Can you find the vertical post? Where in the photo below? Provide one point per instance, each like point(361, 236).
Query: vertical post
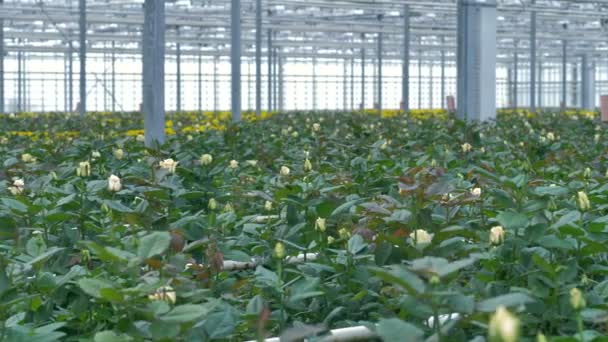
point(1, 63)
point(540, 84)
point(420, 73)
point(200, 79)
point(516, 76)
point(178, 72)
point(431, 84)
point(533, 60)
point(19, 83)
point(82, 25)
point(153, 75)
point(574, 85)
point(362, 71)
point(270, 70)
point(564, 76)
point(344, 83)
point(314, 80)
point(235, 58)
point(275, 76)
point(588, 83)
point(352, 83)
point(405, 73)
point(443, 99)
point(215, 84)
point(113, 78)
point(281, 89)
point(476, 60)
point(380, 72)
point(71, 76)
point(258, 58)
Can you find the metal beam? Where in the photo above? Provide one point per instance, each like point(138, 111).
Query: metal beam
point(235, 58)
point(476, 56)
point(405, 74)
point(82, 55)
point(71, 77)
point(153, 75)
point(258, 58)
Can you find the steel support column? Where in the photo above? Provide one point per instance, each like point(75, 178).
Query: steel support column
point(405, 73)
point(476, 60)
point(380, 38)
point(82, 54)
point(19, 83)
point(270, 71)
point(314, 81)
point(200, 79)
point(352, 84)
point(178, 73)
point(588, 82)
point(516, 76)
point(1, 64)
point(153, 75)
point(280, 82)
point(362, 73)
point(113, 81)
point(235, 58)
point(540, 84)
point(258, 58)
point(564, 103)
point(71, 76)
point(443, 98)
point(533, 60)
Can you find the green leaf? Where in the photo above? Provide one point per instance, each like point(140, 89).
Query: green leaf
point(118, 206)
point(14, 204)
point(153, 244)
point(394, 329)
point(356, 244)
point(110, 336)
point(400, 276)
point(567, 219)
point(508, 300)
point(93, 287)
point(187, 313)
point(511, 220)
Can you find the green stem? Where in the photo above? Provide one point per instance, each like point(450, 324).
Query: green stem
point(579, 323)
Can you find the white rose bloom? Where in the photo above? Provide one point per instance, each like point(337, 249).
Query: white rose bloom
point(114, 183)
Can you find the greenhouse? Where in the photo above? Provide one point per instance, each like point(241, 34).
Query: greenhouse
point(289, 170)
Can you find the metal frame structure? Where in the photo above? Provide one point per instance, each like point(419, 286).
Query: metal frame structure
point(532, 35)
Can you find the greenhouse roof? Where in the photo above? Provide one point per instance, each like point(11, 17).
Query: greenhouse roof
point(320, 28)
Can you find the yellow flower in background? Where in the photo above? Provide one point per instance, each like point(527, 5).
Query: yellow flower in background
point(466, 147)
point(284, 171)
point(212, 204)
point(307, 165)
point(233, 164)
